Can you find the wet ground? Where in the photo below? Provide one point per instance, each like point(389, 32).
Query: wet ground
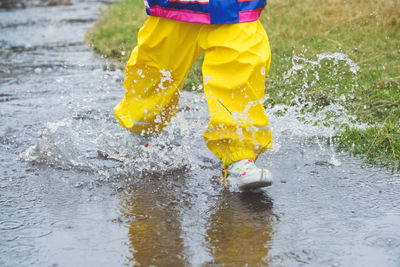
point(73, 194)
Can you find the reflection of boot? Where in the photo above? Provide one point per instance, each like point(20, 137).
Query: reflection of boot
point(154, 222)
point(245, 175)
point(156, 242)
point(240, 232)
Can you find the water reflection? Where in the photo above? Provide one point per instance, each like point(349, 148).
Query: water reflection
point(153, 207)
point(239, 229)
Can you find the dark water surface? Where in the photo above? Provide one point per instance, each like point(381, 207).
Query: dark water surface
point(73, 194)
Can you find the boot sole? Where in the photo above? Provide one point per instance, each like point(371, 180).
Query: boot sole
point(255, 185)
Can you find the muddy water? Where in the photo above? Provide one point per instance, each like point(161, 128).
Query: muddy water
point(73, 194)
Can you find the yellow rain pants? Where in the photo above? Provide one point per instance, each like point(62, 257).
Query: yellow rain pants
point(237, 58)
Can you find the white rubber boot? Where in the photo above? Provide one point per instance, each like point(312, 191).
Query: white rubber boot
point(245, 175)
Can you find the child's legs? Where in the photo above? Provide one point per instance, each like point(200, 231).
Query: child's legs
point(155, 72)
point(236, 62)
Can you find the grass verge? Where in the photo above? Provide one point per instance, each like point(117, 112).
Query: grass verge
point(342, 52)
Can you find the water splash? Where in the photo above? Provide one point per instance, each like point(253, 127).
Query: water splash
point(94, 143)
point(300, 62)
point(304, 117)
point(166, 76)
point(62, 146)
point(332, 77)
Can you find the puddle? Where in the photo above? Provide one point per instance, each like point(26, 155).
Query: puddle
point(73, 193)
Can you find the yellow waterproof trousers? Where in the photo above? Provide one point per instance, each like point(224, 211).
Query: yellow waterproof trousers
point(237, 58)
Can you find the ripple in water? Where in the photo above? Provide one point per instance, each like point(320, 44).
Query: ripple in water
point(10, 225)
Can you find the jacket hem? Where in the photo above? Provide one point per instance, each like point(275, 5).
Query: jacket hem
point(199, 17)
point(179, 14)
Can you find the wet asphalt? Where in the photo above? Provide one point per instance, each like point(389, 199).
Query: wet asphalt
point(73, 194)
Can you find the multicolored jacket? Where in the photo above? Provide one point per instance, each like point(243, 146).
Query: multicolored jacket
point(206, 11)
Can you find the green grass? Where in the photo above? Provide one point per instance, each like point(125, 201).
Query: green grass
point(367, 32)
point(115, 34)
